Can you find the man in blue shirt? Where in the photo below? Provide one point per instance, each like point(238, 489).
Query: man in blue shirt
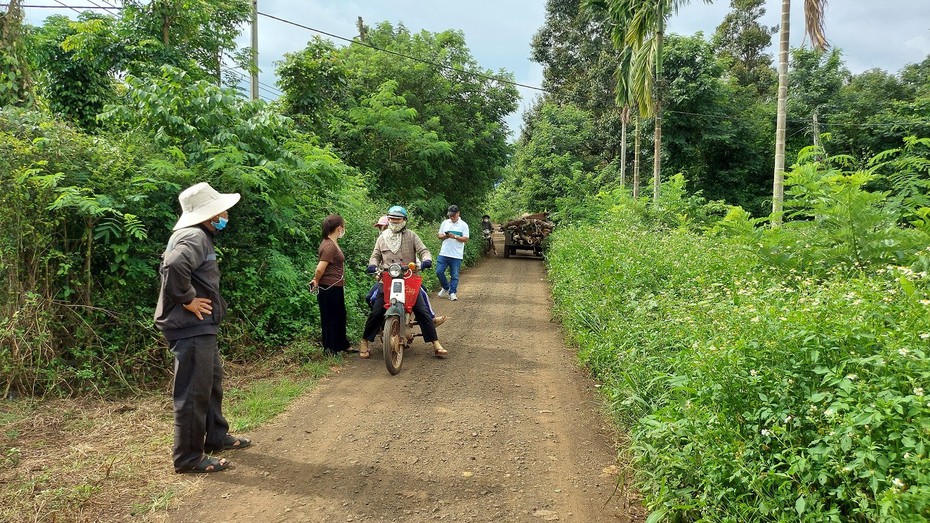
point(454, 233)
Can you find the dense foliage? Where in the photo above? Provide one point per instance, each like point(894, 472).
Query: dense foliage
point(130, 112)
point(413, 111)
point(86, 218)
point(718, 102)
point(764, 374)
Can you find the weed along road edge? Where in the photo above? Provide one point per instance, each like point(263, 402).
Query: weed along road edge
point(506, 429)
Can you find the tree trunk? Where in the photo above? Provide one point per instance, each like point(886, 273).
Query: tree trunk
point(88, 275)
point(636, 151)
point(624, 117)
point(657, 104)
point(657, 154)
point(778, 186)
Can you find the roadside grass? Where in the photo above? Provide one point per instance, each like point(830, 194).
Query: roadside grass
point(93, 459)
point(259, 401)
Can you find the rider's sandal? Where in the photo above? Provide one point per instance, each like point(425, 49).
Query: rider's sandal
point(364, 349)
point(439, 351)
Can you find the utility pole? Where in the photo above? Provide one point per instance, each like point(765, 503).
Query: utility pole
point(254, 67)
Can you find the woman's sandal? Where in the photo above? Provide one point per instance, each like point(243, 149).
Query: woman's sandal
point(208, 464)
point(364, 354)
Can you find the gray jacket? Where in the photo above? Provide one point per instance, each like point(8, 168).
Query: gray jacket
point(189, 270)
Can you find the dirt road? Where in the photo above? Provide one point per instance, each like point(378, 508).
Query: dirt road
point(506, 429)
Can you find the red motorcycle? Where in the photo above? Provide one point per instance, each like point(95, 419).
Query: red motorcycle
point(401, 288)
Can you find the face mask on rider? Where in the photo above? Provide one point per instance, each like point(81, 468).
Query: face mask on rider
point(397, 227)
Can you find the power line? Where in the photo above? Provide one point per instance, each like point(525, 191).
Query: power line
point(242, 77)
point(271, 87)
point(71, 7)
point(442, 66)
point(799, 121)
point(68, 6)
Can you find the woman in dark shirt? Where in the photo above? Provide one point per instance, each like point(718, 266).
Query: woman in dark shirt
point(329, 277)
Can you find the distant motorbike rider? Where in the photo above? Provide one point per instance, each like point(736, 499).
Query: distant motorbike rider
point(487, 228)
point(397, 244)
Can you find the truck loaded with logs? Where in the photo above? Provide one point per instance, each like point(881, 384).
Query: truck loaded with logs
point(528, 233)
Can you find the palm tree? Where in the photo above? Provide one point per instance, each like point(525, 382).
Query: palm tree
point(625, 99)
point(813, 18)
point(640, 25)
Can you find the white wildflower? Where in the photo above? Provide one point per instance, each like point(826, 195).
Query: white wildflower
point(851, 377)
point(902, 351)
point(924, 335)
point(898, 484)
point(918, 391)
point(766, 432)
point(753, 373)
point(925, 302)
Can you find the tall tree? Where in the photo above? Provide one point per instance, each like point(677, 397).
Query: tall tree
point(640, 24)
point(196, 30)
point(716, 132)
point(580, 66)
point(740, 41)
point(15, 75)
point(76, 85)
point(813, 17)
point(435, 91)
point(815, 81)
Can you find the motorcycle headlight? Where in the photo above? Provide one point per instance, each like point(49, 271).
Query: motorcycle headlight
point(395, 271)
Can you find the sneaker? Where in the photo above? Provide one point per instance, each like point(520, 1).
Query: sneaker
point(443, 293)
point(439, 320)
point(452, 296)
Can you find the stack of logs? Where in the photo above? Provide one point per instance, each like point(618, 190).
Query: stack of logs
point(530, 229)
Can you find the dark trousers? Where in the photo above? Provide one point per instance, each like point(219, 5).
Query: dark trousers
point(199, 424)
point(333, 319)
point(421, 312)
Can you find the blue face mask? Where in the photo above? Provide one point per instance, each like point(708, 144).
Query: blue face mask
point(221, 224)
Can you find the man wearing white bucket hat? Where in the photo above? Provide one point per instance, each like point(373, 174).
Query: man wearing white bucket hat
point(189, 311)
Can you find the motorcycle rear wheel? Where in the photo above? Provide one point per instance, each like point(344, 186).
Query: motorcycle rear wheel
point(393, 346)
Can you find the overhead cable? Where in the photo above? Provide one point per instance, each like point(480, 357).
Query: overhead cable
point(428, 62)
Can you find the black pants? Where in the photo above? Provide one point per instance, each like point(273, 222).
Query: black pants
point(333, 319)
point(198, 396)
point(375, 321)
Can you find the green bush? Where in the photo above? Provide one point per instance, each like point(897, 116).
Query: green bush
point(755, 390)
point(85, 220)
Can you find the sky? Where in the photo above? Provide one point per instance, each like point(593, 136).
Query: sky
point(887, 34)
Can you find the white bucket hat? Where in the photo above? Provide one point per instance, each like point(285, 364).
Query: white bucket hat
point(201, 202)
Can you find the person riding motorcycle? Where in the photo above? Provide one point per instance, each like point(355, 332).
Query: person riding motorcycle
point(397, 244)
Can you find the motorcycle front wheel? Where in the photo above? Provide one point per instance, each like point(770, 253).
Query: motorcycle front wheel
point(393, 347)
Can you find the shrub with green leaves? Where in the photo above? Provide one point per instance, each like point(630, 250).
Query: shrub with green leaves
point(753, 390)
